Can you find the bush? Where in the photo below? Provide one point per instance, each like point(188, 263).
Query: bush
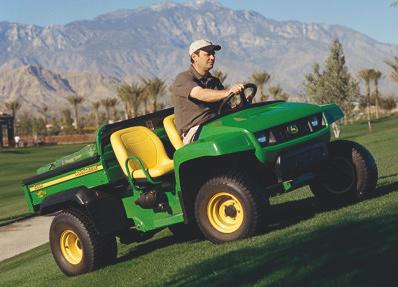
point(388, 103)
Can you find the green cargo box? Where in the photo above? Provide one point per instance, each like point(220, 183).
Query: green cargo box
point(85, 153)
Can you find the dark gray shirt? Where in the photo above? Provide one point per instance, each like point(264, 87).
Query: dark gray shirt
point(189, 111)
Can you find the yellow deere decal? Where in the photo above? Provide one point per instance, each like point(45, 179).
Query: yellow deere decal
point(41, 194)
point(77, 173)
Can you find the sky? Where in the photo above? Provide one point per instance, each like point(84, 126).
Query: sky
point(375, 18)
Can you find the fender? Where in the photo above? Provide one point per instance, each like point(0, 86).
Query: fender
point(332, 112)
point(104, 208)
point(216, 145)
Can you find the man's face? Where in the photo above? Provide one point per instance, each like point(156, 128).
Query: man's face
point(205, 60)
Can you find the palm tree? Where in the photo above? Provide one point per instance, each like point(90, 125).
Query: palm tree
point(366, 75)
point(394, 66)
point(44, 110)
point(95, 106)
point(124, 94)
point(107, 103)
point(13, 106)
point(137, 94)
point(112, 105)
point(75, 101)
point(153, 88)
point(277, 93)
point(260, 79)
point(376, 75)
point(220, 75)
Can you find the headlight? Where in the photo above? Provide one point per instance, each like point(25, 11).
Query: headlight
point(314, 121)
point(262, 138)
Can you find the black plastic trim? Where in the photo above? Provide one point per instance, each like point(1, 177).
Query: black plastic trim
point(106, 209)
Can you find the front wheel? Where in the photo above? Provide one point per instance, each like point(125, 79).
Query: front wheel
point(229, 207)
point(348, 176)
point(76, 246)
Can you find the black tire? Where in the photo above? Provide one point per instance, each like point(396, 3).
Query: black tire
point(349, 175)
point(76, 246)
point(229, 207)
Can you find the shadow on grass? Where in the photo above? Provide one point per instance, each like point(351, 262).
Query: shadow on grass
point(279, 216)
point(148, 247)
point(385, 189)
point(15, 151)
point(289, 213)
point(388, 176)
point(349, 252)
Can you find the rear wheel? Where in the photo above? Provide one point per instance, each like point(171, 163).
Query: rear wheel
point(229, 207)
point(349, 175)
point(76, 246)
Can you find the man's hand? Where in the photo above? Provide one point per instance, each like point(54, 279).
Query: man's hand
point(236, 89)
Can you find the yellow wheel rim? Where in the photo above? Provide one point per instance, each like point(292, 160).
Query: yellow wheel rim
point(71, 247)
point(225, 212)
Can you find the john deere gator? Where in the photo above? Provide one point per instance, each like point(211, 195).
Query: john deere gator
point(138, 177)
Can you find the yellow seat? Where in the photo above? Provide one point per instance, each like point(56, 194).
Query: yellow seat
point(142, 143)
point(171, 131)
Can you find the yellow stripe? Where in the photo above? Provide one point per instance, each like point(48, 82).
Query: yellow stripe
point(76, 174)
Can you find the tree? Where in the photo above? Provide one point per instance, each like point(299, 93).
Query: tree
point(394, 65)
point(25, 124)
point(153, 88)
point(136, 96)
point(277, 93)
point(66, 120)
point(13, 106)
point(394, 3)
point(334, 84)
point(388, 103)
point(95, 106)
point(366, 75)
point(75, 101)
point(124, 94)
point(260, 79)
point(106, 103)
point(220, 75)
point(112, 105)
point(44, 112)
point(375, 76)
point(314, 85)
point(131, 96)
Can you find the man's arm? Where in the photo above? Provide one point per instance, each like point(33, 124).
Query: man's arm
point(211, 96)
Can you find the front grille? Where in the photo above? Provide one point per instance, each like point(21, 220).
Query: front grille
point(297, 129)
point(293, 130)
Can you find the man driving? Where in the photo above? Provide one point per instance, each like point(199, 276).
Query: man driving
point(197, 93)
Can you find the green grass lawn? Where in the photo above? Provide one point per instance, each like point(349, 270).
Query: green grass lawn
point(302, 246)
point(17, 164)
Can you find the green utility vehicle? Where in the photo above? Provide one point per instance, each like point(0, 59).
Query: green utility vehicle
point(139, 178)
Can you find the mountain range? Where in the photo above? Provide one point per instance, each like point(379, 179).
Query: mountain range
point(42, 65)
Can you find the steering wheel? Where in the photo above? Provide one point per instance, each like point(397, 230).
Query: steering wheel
point(243, 97)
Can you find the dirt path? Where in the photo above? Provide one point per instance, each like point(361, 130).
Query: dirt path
point(23, 235)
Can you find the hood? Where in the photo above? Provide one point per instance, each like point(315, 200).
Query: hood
point(263, 117)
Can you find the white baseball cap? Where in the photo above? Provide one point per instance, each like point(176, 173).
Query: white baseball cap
point(202, 43)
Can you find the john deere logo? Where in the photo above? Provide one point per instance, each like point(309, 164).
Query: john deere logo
point(293, 129)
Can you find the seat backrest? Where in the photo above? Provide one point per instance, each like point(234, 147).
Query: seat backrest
point(171, 131)
point(141, 142)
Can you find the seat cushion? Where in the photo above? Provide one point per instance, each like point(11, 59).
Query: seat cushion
point(142, 143)
point(165, 167)
point(171, 131)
